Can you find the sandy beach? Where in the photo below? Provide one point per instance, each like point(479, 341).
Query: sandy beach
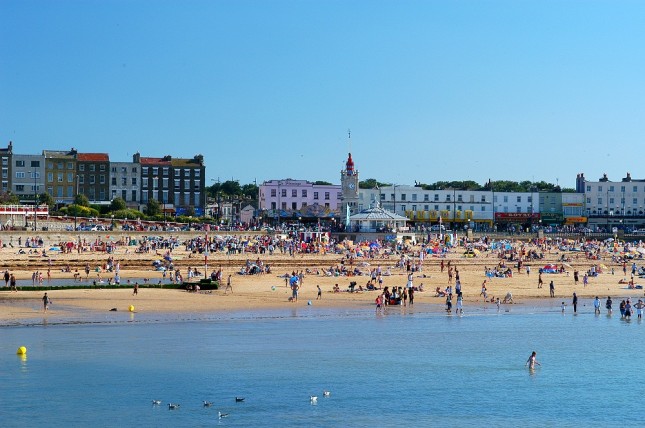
point(270, 291)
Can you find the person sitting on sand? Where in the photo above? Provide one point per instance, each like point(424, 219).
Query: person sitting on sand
point(508, 298)
point(439, 293)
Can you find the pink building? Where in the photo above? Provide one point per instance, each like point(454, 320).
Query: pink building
point(299, 198)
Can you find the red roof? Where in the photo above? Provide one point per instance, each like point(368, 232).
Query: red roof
point(93, 157)
point(154, 161)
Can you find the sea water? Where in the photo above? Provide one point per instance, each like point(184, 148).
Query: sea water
point(408, 367)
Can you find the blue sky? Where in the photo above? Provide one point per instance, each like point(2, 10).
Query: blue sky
point(432, 90)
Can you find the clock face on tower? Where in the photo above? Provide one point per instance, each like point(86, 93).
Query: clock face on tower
point(351, 186)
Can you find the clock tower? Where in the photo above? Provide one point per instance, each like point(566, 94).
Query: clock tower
point(349, 187)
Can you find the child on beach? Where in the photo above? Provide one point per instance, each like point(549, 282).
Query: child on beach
point(563, 306)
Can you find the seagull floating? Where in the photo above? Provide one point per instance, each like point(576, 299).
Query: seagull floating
point(313, 399)
point(156, 402)
point(326, 393)
point(172, 406)
point(208, 403)
point(239, 399)
point(222, 415)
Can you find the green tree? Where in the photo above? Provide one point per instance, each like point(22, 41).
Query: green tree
point(117, 204)
point(371, 183)
point(82, 200)
point(322, 183)
point(153, 207)
point(8, 198)
point(231, 188)
point(250, 190)
point(46, 198)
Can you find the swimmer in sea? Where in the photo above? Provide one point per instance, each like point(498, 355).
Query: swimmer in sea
point(531, 362)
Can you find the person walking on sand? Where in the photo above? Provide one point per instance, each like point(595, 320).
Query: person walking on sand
point(12, 283)
point(551, 289)
point(135, 291)
point(319, 293)
point(531, 362)
point(46, 302)
point(540, 282)
point(228, 285)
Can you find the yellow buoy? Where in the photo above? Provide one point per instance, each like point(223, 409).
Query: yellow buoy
point(131, 308)
point(21, 351)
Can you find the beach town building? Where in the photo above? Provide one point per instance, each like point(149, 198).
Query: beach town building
point(27, 178)
point(298, 200)
point(92, 177)
point(60, 175)
point(456, 208)
point(6, 162)
point(178, 184)
point(613, 204)
point(125, 180)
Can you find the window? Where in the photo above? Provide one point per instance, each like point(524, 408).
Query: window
point(529, 199)
point(20, 163)
point(134, 195)
point(81, 179)
point(155, 171)
point(448, 207)
point(414, 198)
point(294, 193)
point(611, 188)
point(402, 207)
point(273, 193)
point(20, 174)
point(304, 193)
point(294, 205)
point(70, 191)
point(436, 207)
point(59, 165)
point(519, 199)
point(483, 208)
point(519, 209)
point(164, 171)
point(436, 197)
point(102, 167)
point(326, 196)
point(273, 205)
point(101, 179)
point(459, 198)
point(283, 193)
point(186, 185)
point(134, 182)
point(447, 198)
point(20, 188)
point(588, 200)
point(622, 189)
point(124, 170)
point(426, 198)
point(70, 165)
point(92, 179)
point(600, 188)
point(635, 189)
point(414, 207)
point(144, 170)
point(59, 178)
point(403, 195)
point(124, 181)
point(483, 198)
point(81, 167)
point(505, 198)
point(426, 207)
point(635, 201)
point(611, 200)
point(382, 196)
point(588, 188)
point(316, 195)
point(599, 201)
